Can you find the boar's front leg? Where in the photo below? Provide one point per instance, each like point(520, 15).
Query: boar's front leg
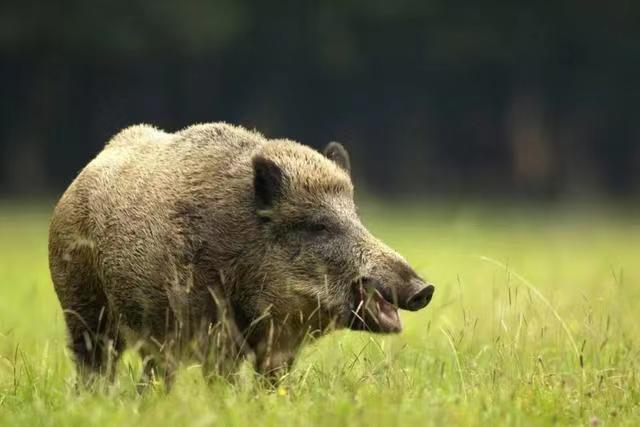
point(159, 363)
point(225, 348)
point(275, 352)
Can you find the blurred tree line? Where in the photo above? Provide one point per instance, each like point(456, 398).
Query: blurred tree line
point(431, 97)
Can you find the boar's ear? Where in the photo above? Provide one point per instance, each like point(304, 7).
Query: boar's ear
point(267, 183)
point(336, 152)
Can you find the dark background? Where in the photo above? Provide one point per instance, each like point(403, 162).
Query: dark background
point(447, 98)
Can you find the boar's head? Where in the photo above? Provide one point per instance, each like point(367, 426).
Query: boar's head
point(327, 265)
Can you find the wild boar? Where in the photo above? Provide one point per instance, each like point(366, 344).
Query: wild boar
point(214, 244)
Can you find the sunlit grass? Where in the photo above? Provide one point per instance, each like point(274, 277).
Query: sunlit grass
point(534, 321)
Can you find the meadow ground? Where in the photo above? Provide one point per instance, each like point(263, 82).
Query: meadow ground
point(534, 322)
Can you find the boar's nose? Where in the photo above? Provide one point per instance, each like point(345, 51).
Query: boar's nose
point(420, 298)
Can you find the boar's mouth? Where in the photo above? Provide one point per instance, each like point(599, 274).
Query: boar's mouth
point(371, 310)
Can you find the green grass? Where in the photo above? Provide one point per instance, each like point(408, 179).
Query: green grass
point(534, 321)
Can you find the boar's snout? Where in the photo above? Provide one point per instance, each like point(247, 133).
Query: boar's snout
point(416, 296)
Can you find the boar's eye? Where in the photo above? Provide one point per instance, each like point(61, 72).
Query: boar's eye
point(316, 227)
point(310, 227)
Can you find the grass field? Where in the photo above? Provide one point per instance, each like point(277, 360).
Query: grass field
point(535, 321)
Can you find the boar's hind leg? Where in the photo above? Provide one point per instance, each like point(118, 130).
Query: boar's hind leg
point(94, 338)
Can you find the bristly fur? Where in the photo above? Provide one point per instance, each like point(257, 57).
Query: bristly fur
point(166, 241)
